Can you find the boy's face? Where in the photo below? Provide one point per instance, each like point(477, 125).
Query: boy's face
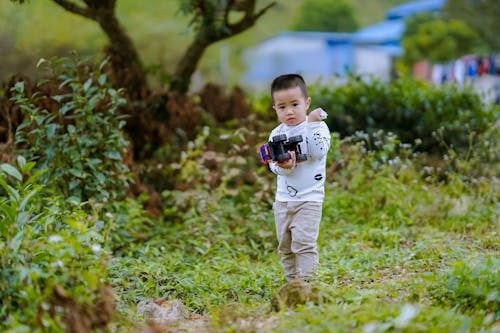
point(291, 106)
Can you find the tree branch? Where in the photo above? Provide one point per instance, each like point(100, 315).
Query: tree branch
point(209, 33)
point(249, 19)
point(76, 9)
point(264, 10)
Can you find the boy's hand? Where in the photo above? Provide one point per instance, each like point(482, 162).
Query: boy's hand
point(317, 114)
point(290, 163)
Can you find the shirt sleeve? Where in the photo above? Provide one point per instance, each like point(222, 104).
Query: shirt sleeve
point(318, 139)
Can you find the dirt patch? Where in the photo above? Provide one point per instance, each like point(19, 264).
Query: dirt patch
point(84, 319)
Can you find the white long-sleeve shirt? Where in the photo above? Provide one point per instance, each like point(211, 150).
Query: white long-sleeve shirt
point(306, 181)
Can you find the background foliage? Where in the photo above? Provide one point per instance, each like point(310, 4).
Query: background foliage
point(429, 37)
point(327, 16)
point(409, 108)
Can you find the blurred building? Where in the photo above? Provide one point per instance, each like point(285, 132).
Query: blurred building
point(321, 56)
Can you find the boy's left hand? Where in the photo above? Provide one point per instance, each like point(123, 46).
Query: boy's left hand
point(290, 163)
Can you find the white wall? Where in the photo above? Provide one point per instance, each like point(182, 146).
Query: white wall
point(372, 60)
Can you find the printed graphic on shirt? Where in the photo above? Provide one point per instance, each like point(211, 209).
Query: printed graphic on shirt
point(318, 176)
point(292, 191)
point(320, 141)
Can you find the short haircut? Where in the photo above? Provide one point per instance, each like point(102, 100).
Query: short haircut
point(288, 81)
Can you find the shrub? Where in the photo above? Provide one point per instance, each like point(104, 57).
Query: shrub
point(79, 139)
point(409, 108)
point(51, 259)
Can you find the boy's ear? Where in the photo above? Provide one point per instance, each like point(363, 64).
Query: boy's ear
point(308, 102)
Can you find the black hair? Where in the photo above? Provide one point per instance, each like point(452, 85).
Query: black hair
point(288, 81)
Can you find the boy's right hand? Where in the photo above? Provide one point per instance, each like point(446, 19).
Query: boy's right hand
point(317, 114)
point(290, 163)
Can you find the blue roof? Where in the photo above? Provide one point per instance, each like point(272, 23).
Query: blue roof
point(340, 36)
point(380, 33)
point(411, 8)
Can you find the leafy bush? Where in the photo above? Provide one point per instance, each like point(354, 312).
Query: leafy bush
point(480, 159)
point(53, 255)
point(407, 107)
point(80, 142)
point(46, 253)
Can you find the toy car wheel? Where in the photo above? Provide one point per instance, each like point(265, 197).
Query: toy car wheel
point(301, 157)
point(279, 137)
point(283, 157)
point(295, 139)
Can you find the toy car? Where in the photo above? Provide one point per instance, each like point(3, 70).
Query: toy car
point(278, 149)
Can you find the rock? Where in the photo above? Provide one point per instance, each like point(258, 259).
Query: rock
point(297, 292)
point(162, 312)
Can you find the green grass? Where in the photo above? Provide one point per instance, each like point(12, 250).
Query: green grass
point(398, 254)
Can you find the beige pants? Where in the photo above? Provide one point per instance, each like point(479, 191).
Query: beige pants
point(297, 228)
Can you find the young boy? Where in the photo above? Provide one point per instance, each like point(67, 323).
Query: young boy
point(300, 185)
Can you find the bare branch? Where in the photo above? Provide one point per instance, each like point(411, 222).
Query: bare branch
point(250, 17)
point(264, 10)
point(76, 9)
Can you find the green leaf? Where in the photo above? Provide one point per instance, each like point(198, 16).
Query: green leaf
point(10, 213)
point(94, 101)
point(87, 84)
point(101, 178)
point(51, 130)
point(73, 184)
point(11, 171)
point(19, 87)
point(39, 119)
point(58, 98)
point(67, 107)
point(76, 173)
point(41, 62)
point(21, 161)
point(71, 129)
point(27, 198)
point(15, 243)
point(22, 218)
point(102, 79)
point(36, 174)
point(113, 155)
point(103, 63)
point(65, 82)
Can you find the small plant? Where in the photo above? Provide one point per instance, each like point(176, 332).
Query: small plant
point(47, 253)
point(75, 132)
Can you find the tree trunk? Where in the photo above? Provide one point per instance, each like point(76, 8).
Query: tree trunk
point(126, 67)
point(125, 62)
point(210, 32)
point(188, 63)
